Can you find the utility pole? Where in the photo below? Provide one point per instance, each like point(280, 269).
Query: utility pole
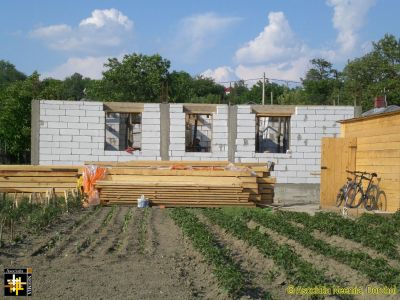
point(263, 89)
point(230, 91)
point(384, 92)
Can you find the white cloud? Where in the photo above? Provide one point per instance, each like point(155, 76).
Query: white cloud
point(348, 18)
point(104, 29)
point(276, 42)
point(52, 31)
point(220, 74)
point(291, 70)
point(90, 66)
point(101, 18)
point(281, 55)
point(200, 32)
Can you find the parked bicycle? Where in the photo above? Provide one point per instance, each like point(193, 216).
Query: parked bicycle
point(370, 196)
point(343, 191)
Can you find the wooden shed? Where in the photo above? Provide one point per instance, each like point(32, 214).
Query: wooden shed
point(371, 144)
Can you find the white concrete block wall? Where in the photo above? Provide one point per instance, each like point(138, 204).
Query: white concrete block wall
point(308, 125)
point(72, 132)
point(67, 129)
point(219, 140)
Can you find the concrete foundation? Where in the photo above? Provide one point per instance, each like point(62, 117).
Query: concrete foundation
point(296, 193)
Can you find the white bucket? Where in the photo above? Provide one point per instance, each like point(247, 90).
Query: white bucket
point(142, 202)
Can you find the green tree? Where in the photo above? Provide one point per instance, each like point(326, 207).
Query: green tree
point(52, 89)
point(374, 73)
point(205, 90)
point(320, 82)
point(180, 87)
point(74, 87)
point(9, 74)
point(137, 77)
point(293, 96)
point(15, 116)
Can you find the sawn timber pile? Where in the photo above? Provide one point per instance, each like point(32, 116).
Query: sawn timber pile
point(191, 184)
point(29, 179)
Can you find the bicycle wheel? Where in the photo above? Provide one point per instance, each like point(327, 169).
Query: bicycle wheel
point(381, 201)
point(354, 196)
point(340, 197)
point(371, 198)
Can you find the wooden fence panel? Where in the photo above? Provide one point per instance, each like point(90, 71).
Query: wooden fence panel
point(338, 155)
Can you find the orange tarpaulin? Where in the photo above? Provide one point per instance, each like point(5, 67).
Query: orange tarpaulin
point(91, 174)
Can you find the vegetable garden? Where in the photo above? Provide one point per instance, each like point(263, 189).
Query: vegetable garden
point(227, 253)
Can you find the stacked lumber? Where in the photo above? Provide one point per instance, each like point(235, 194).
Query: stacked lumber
point(197, 184)
point(37, 179)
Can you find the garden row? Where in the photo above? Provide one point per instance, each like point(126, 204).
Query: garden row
point(32, 216)
point(377, 233)
point(376, 269)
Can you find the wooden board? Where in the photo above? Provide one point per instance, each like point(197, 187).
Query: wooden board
point(338, 155)
point(143, 172)
point(57, 179)
point(123, 107)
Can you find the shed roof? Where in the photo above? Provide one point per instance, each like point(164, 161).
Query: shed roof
point(371, 116)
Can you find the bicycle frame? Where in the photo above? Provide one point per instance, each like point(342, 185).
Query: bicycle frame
point(350, 182)
point(359, 188)
point(356, 176)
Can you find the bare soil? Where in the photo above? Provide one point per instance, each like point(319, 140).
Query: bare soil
point(84, 256)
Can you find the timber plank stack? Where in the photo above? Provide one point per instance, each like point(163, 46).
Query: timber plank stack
point(188, 183)
point(37, 179)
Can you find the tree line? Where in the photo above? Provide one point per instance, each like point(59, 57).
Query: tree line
point(143, 78)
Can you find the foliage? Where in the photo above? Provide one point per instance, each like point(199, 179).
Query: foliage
point(297, 270)
point(51, 89)
point(334, 224)
point(142, 228)
point(242, 94)
point(136, 78)
point(15, 114)
point(320, 82)
point(127, 218)
point(225, 269)
point(180, 87)
point(376, 269)
point(109, 216)
point(35, 216)
point(368, 76)
point(9, 74)
point(73, 87)
point(385, 225)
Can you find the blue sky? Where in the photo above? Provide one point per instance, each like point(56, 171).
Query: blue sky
point(222, 39)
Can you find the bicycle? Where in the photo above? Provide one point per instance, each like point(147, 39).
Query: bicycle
point(343, 191)
point(357, 195)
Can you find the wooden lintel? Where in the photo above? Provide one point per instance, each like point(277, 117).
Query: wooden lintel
point(273, 110)
point(194, 108)
point(123, 107)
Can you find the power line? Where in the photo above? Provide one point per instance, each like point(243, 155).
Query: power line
point(261, 78)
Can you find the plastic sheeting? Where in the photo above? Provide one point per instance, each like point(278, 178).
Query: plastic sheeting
point(91, 174)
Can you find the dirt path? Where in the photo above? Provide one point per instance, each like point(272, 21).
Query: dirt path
point(93, 255)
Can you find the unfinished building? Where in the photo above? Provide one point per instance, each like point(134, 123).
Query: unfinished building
point(72, 132)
